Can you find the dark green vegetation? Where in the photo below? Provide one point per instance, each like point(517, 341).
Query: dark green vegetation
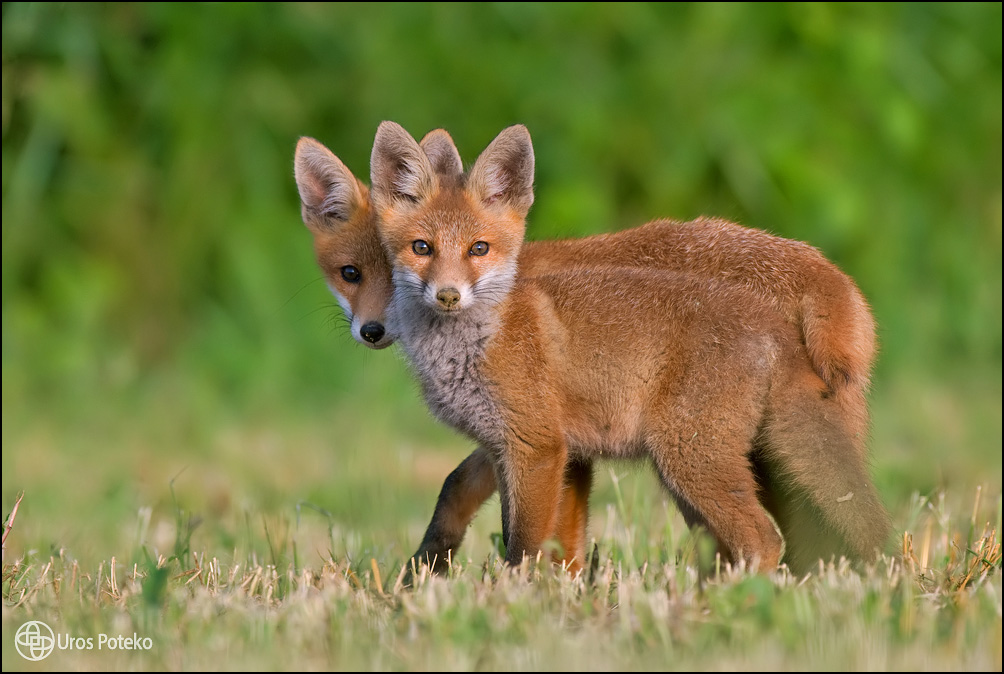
point(176, 379)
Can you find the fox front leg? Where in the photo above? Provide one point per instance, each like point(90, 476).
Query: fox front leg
point(531, 481)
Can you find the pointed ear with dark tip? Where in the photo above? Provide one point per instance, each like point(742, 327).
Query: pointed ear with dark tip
point(503, 174)
point(327, 188)
point(442, 152)
point(400, 171)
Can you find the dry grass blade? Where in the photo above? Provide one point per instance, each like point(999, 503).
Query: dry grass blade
point(9, 524)
point(986, 555)
point(376, 576)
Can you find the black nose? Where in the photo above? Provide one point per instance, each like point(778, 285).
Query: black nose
point(371, 332)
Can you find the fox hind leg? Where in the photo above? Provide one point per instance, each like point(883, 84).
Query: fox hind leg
point(713, 484)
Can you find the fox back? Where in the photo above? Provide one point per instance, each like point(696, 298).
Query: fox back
point(809, 290)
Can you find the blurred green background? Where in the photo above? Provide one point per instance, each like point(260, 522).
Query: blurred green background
point(164, 319)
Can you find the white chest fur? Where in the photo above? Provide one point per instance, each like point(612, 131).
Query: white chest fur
point(446, 352)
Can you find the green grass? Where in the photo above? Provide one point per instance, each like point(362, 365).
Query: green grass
point(269, 603)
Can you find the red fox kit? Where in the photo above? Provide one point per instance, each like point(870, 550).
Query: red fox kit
point(549, 372)
point(336, 209)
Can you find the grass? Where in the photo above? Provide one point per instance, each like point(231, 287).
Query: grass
point(935, 603)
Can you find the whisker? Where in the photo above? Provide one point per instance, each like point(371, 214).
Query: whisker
point(323, 307)
point(302, 288)
point(338, 321)
point(334, 313)
point(492, 289)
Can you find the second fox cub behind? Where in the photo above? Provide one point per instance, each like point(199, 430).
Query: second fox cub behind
point(548, 372)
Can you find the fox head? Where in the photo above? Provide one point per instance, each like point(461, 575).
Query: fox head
point(452, 238)
point(336, 209)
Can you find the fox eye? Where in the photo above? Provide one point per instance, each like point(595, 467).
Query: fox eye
point(421, 248)
point(479, 248)
point(351, 274)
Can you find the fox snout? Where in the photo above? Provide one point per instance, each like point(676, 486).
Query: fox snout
point(448, 298)
point(372, 332)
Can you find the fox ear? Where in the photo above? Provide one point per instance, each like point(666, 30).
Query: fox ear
point(327, 188)
point(503, 174)
point(442, 153)
point(400, 171)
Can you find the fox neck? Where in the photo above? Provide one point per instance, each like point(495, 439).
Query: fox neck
point(446, 352)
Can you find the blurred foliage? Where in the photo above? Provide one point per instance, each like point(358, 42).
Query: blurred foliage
point(151, 232)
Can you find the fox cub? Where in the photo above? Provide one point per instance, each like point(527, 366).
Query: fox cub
point(709, 379)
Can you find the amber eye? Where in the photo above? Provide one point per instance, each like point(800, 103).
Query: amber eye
point(351, 274)
point(479, 248)
point(421, 248)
